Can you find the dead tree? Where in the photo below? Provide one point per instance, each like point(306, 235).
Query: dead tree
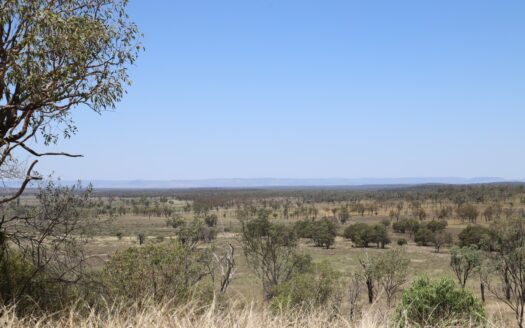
point(226, 264)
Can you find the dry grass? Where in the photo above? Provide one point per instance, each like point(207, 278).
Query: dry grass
point(190, 316)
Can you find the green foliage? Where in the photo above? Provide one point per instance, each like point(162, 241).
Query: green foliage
point(402, 241)
point(363, 234)
point(31, 292)
point(270, 250)
point(190, 233)
point(423, 236)
point(475, 235)
point(435, 226)
point(166, 271)
point(41, 249)
point(324, 233)
point(304, 228)
point(314, 287)
point(14, 273)
point(61, 55)
point(406, 226)
point(380, 235)
point(429, 303)
point(463, 261)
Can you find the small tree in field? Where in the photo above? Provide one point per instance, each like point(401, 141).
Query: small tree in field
point(323, 233)
point(368, 273)
point(464, 261)
point(392, 267)
point(423, 236)
point(440, 239)
point(270, 251)
point(354, 291)
point(506, 276)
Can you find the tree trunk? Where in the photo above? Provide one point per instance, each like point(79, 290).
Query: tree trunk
point(507, 284)
point(370, 287)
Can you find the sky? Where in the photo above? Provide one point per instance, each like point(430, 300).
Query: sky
point(313, 89)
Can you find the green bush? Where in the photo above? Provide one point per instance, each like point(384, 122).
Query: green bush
point(475, 235)
point(307, 290)
point(324, 233)
point(32, 290)
point(428, 303)
point(303, 228)
point(363, 234)
point(406, 226)
point(167, 271)
point(401, 241)
point(423, 236)
point(359, 233)
point(435, 226)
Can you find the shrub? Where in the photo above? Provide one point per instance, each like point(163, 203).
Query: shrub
point(167, 271)
point(308, 290)
point(438, 303)
point(190, 233)
point(475, 235)
point(401, 241)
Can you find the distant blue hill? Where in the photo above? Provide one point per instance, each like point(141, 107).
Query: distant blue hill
point(274, 182)
point(283, 182)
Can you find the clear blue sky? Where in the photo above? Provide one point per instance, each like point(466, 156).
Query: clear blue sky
point(310, 89)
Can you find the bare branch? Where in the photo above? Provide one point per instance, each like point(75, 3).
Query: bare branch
point(28, 179)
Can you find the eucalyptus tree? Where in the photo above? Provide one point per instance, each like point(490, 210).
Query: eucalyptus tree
point(55, 57)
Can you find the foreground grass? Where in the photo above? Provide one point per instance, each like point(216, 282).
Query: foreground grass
point(191, 316)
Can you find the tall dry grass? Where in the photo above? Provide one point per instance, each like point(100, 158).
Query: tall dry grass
point(192, 316)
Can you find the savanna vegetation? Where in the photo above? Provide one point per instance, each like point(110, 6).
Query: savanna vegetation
point(412, 256)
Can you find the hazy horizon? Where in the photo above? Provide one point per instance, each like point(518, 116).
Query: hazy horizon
point(307, 89)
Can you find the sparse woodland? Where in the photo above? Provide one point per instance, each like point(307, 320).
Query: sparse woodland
point(71, 256)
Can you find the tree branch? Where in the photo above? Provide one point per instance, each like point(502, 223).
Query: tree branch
point(28, 179)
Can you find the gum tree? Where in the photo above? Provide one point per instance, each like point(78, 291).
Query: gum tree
point(55, 56)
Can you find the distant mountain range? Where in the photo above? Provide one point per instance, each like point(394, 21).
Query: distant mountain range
point(283, 182)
